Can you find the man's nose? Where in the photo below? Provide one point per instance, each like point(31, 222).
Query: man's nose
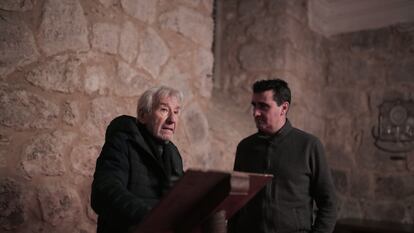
point(256, 112)
point(172, 118)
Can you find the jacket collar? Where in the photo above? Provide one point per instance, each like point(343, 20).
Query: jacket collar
point(280, 134)
point(145, 140)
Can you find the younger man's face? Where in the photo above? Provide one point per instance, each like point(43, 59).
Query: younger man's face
point(268, 116)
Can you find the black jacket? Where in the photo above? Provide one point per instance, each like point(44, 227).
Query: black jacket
point(129, 179)
point(301, 177)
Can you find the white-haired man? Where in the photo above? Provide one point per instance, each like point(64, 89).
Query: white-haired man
point(137, 162)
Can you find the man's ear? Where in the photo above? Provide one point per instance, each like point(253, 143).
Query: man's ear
point(285, 107)
point(142, 117)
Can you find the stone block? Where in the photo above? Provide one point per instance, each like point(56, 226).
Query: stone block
point(367, 156)
point(208, 5)
point(402, 71)
point(44, 155)
point(101, 111)
point(390, 211)
point(340, 179)
point(153, 52)
point(96, 80)
point(349, 70)
point(130, 83)
point(16, 5)
point(394, 187)
point(59, 74)
point(343, 102)
point(108, 3)
point(338, 156)
point(63, 27)
point(128, 42)
point(17, 45)
point(191, 3)
point(350, 208)
point(144, 10)
point(3, 158)
point(260, 57)
point(71, 113)
point(83, 158)
point(172, 76)
point(11, 207)
point(196, 124)
point(59, 204)
point(203, 66)
point(106, 37)
point(251, 9)
point(190, 24)
point(23, 110)
point(261, 31)
point(361, 184)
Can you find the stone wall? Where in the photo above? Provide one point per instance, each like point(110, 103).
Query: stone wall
point(67, 68)
point(337, 85)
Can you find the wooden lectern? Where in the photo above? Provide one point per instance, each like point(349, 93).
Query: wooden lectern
point(202, 201)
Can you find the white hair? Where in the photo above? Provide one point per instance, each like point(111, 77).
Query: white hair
point(152, 96)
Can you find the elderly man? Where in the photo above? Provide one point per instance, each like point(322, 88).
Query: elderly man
point(137, 162)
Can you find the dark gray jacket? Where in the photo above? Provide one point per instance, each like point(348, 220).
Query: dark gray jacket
point(129, 179)
point(301, 177)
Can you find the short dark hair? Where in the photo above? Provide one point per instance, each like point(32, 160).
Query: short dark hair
point(280, 88)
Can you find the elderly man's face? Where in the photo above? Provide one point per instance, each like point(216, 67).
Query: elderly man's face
point(163, 119)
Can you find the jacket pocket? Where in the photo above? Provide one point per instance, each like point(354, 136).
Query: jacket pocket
point(303, 217)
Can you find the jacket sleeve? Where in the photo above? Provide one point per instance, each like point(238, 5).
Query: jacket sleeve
point(233, 221)
point(322, 191)
point(110, 195)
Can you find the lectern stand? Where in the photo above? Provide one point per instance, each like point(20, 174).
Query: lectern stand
point(202, 201)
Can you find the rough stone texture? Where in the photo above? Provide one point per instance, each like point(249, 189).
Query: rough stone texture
point(259, 57)
point(63, 27)
point(16, 5)
point(17, 45)
point(102, 111)
point(394, 187)
point(129, 82)
point(337, 85)
point(128, 46)
point(197, 125)
point(19, 106)
point(361, 184)
point(350, 208)
point(83, 159)
point(96, 80)
point(58, 204)
point(340, 180)
point(392, 211)
point(192, 3)
point(144, 10)
point(59, 74)
point(67, 68)
point(106, 37)
point(3, 154)
point(71, 113)
point(108, 3)
point(203, 64)
point(45, 154)
point(403, 72)
point(153, 53)
point(11, 207)
point(172, 76)
point(190, 24)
